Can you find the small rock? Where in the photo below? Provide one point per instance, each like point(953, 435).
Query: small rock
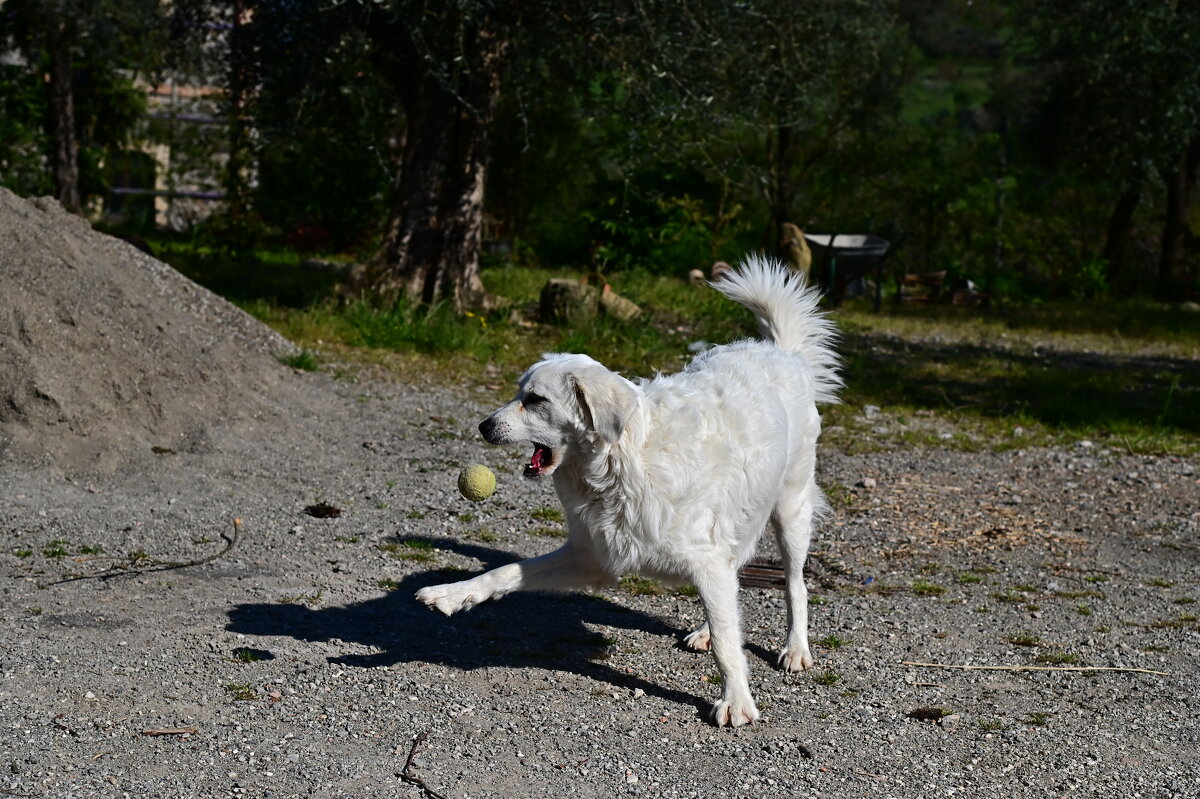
point(867, 482)
point(950, 721)
point(638, 693)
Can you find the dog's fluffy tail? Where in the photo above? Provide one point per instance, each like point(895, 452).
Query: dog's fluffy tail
point(787, 314)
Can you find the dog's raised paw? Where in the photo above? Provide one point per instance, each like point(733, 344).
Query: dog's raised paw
point(698, 640)
point(795, 659)
point(734, 713)
point(446, 598)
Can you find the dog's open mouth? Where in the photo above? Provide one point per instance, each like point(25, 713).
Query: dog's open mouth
point(540, 462)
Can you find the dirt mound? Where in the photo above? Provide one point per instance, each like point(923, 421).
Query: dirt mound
point(106, 352)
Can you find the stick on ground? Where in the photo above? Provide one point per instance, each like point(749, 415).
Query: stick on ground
point(413, 779)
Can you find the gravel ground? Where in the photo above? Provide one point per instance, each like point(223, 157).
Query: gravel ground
point(299, 664)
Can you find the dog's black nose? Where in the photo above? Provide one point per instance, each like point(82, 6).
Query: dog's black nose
point(487, 428)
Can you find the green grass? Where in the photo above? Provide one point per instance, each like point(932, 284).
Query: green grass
point(927, 588)
point(247, 655)
point(548, 514)
point(1023, 639)
point(305, 360)
point(241, 692)
point(1118, 373)
point(832, 642)
point(827, 678)
point(641, 586)
point(414, 549)
point(55, 549)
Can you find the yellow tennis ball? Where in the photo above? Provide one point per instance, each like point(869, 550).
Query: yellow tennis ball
point(476, 482)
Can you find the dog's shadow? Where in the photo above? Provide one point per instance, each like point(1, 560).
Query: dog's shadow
point(523, 630)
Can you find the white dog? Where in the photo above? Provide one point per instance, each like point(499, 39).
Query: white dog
point(677, 477)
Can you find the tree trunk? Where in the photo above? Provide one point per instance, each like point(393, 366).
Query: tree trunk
point(434, 234)
point(62, 109)
point(1120, 233)
point(780, 198)
point(1180, 185)
point(241, 84)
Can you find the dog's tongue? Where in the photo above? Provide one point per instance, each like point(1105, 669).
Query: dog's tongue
point(535, 461)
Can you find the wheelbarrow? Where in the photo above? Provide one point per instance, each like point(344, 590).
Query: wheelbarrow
point(840, 261)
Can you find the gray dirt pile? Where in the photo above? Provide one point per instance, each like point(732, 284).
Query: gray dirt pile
point(105, 351)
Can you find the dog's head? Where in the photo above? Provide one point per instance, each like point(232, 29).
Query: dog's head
point(565, 405)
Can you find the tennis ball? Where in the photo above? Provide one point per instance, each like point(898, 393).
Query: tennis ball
point(476, 482)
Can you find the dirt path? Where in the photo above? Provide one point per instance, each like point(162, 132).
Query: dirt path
point(306, 668)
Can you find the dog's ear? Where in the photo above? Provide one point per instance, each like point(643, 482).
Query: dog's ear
point(606, 400)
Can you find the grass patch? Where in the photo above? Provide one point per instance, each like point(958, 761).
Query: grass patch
point(1118, 373)
point(641, 586)
point(548, 513)
point(304, 360)
point(418, 550)
point(56, 549)
point(1056, 659)
point(548, 532)
point(833, 642)
point(827, 678)
point(245, 654)
point(1023, 639)
point(1010, 596)
point(927, 588)
point(241, 692)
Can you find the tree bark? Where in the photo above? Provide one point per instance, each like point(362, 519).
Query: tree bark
point(434, 234)
point(781, 188)
point(1120, 233)
point(1181, 183)
point(62, 109)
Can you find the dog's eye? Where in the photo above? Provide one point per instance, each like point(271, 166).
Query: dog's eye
point(533, 399)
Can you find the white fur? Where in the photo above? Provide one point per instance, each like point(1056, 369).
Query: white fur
point(677, 477)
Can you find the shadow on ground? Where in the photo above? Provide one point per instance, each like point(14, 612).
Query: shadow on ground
point(1090, 390)
point(532, 630)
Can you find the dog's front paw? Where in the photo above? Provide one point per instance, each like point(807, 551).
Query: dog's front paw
point(698, 640)
point(795, 659)
point(734, 712)
point(448, 598)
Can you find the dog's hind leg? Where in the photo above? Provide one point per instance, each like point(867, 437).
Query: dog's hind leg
point(566, 568)
point(718, 590)
point(793, 522)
